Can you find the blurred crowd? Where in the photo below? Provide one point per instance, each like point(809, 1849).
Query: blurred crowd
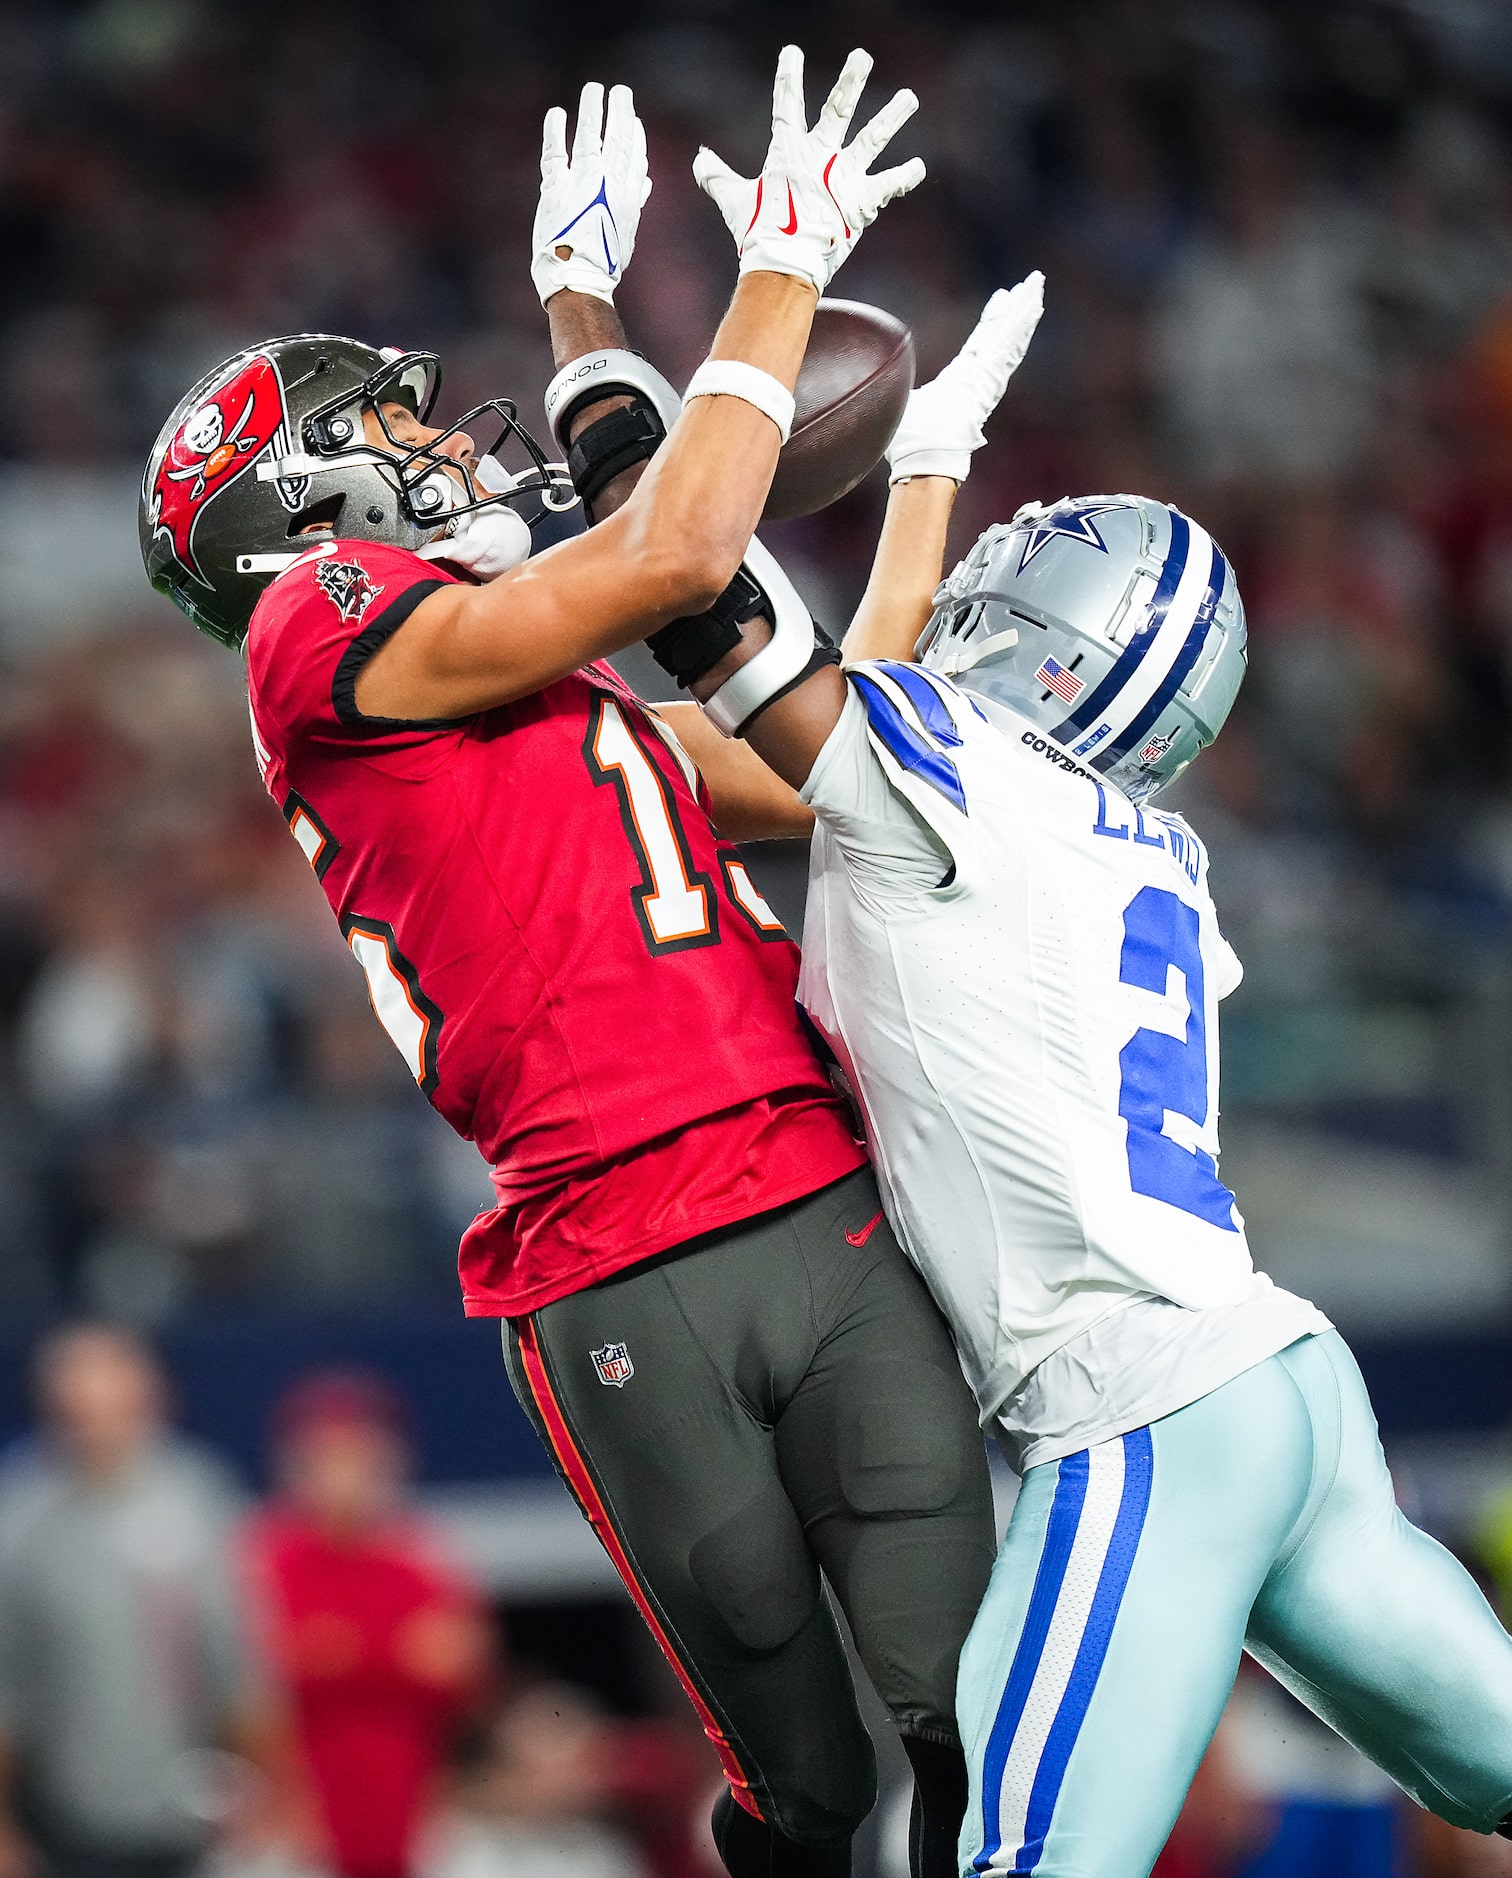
point(310, 1688)
point(1278, 241)
point(193, 1685)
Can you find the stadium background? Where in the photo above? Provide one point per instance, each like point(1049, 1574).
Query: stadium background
point(1278, 242)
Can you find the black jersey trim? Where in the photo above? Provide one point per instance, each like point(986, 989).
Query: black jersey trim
point(377, 633)
point(295, 809)
point(426, 1009)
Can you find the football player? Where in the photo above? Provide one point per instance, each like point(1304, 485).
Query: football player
point(1013, 952)
point(736, 1370)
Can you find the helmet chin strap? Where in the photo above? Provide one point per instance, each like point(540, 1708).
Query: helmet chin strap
point(485, 542)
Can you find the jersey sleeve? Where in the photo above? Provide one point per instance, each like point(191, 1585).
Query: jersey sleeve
point(884, 841)
point(317, 626)
point(1227, 970)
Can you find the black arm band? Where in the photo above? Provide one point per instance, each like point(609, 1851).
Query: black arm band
point(693, 645)
point(825, 652)
point(612, 444)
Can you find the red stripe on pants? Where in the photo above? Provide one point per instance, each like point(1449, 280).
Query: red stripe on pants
point(572, 1465)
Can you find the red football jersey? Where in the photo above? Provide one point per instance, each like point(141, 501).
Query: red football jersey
point(577, 970)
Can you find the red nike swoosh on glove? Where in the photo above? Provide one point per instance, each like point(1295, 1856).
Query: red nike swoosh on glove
point(792, 220)
point(831, 194)
point(754, 213)
point(860, 1238)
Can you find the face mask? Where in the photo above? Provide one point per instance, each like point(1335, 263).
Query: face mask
point(487, 542)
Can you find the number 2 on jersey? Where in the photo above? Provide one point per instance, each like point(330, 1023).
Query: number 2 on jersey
point(1163, 1074)
point(674, 903)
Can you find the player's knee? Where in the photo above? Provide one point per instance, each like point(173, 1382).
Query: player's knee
point(907, 1441)
point(761, 1848)
point(827, 1812)
point(757, 1573)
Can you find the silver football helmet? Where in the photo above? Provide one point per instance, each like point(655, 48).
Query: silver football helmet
point(1112, 623)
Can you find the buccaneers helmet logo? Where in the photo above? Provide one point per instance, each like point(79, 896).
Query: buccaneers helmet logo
point(230, 427)
point(348, 586)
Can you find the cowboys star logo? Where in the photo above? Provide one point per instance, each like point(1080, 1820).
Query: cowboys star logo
point(348, 586)
point(1073, 520)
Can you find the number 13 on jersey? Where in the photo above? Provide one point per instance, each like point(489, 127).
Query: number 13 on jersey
point(676, 903)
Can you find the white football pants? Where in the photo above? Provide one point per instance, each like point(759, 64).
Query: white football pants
point(1134, 1572)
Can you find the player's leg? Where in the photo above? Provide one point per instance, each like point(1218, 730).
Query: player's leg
point(1376, 1627)
point(1106, 1648)
point(883, 1458)
point(674, 1464)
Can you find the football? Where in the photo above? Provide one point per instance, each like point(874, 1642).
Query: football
point(856, 377)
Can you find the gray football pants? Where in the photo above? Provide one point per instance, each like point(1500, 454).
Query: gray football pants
point(794, 1405)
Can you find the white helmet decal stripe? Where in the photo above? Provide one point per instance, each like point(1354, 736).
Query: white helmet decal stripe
point(1144, 720)
point(1149, 656)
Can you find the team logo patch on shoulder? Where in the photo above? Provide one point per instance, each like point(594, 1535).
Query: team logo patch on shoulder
point(613, 1365)
point(348, 586)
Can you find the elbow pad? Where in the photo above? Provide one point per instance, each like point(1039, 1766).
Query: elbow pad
point(622, 438)
point(694, 645)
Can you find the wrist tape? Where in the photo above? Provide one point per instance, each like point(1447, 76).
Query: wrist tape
point(734, 378)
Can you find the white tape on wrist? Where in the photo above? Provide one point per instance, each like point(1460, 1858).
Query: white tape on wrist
point(956, 464)
point(733, 378)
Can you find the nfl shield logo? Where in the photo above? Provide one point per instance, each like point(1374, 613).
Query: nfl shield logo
point(613, 1365)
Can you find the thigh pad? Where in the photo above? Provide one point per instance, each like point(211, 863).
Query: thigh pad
point(903, 1431)
point(756, 1571)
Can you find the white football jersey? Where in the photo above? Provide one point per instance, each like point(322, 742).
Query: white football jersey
point(1020, 973)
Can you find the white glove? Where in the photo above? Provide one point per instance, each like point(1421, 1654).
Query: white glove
point(942, 421)
point(804, 213)
point(591, 204)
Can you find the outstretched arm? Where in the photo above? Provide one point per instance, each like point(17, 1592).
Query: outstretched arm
point(674, 546)
point(670, 550)
point(929, 457)
point(905, 571)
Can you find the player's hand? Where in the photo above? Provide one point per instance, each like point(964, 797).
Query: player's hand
point(804, 213)
point(942, 421)
point(591, 201)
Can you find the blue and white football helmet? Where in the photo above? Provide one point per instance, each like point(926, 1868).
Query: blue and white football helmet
point(1113, 623)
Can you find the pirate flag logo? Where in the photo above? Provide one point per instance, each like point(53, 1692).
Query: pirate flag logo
point(221, 437)
point(348, 586)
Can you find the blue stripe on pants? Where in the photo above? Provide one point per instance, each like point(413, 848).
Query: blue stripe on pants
point(1117, 1564)
point(1060, 1535)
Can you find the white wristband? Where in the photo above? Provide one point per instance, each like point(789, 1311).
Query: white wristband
point(956, 464)
point(733, 378)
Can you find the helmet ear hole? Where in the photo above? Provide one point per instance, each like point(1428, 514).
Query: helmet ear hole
point(324, 514)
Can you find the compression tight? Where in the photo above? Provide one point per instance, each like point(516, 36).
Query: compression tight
point(939, 1804)
point(752, 1849)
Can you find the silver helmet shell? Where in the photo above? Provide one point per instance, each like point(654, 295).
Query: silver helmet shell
point(1112, 623)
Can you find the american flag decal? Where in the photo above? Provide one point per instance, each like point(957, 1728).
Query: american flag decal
point(1054, 677)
